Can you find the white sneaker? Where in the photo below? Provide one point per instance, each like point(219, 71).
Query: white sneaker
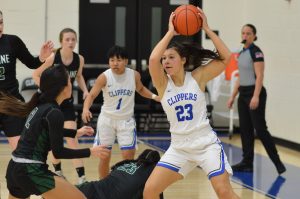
point(81, 180)
point(60, 173)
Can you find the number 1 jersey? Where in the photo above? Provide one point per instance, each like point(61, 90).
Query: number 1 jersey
point(118, 94)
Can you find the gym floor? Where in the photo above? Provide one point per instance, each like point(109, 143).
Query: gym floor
point(264, 182)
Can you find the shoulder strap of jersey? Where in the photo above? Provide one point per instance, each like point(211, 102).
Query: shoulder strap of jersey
point(57, 58)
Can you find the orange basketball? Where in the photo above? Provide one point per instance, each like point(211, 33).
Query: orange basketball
point(187, 20)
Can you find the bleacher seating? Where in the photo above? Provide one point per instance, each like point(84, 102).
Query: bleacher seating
point(28, 88)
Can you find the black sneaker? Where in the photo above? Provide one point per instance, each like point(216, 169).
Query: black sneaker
point(280, 168)
point(243, 167)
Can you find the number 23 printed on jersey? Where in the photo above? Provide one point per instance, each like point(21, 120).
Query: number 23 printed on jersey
point(184, 112)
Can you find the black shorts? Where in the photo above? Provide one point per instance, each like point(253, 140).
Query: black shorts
point(25, 179)
point(92, 190)
point(88, 190)
point(12, 125)
point(67, 107)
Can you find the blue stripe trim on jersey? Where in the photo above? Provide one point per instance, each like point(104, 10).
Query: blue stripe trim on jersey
point(168, 166)
point(133, 144)
point(127, 147)
point(96, 142)
point(97, 139)
point(222, 166)
point(218, 140)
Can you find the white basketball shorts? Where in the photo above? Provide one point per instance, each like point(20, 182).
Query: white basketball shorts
point(188, 151)
point(109, 129)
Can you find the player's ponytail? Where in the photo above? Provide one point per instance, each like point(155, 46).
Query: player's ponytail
point(148, 157)
point(10, 105)
point(195, 55)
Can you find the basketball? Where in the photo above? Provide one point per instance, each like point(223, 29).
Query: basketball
point(187, 20)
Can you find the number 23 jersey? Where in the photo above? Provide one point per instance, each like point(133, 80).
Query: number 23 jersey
point(185, 106)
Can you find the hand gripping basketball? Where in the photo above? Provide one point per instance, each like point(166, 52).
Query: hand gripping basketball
point(187, 20)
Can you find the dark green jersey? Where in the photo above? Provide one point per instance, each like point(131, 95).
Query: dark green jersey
point(72, 68)
point(43, 131)
point(11, 49)
point(125, 181)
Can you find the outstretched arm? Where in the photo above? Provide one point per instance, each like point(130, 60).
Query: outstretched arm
point(142, 90)
point(55, 125)
point(85, 130)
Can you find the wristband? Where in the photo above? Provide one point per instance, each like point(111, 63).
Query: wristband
point(153, 96)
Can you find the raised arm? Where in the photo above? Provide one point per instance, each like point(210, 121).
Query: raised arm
point(215, 67)
point(80, 78)
point(36, 75)
point(26, 57)
point(158, 76)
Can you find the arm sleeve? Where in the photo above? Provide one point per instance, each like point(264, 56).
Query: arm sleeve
point(55, 120)
point(256, 54)
point(24, 55)
point(71, 133)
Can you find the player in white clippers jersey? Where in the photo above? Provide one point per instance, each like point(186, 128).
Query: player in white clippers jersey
point(118, 85)
point(193, 142)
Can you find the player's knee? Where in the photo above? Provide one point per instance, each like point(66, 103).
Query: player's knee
point(105, 160)
point(224, 192)
point(150, 190)
point(128, 155)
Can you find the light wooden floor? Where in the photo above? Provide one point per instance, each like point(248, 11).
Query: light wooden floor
point(195, 186)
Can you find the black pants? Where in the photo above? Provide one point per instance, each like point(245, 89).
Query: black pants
point(254, 119)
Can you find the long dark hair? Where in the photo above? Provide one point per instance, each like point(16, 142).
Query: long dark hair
point(53, 81)
point(148, 157)
point(195, 55)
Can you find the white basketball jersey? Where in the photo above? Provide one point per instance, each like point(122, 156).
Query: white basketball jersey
point(118, 94)
point(185, 106)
